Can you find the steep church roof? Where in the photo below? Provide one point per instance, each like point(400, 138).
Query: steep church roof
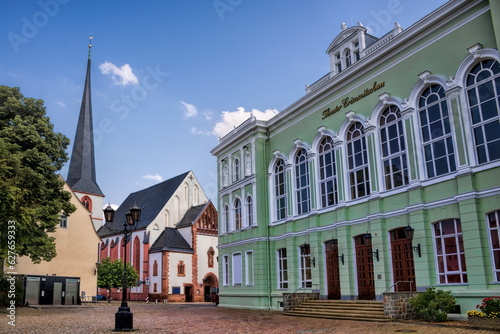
point(171, 240)
point(151, 200)
point(81, 174)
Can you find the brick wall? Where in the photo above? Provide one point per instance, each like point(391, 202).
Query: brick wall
point(396, 305)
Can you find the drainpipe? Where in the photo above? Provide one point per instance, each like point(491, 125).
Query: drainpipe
point(268, 242)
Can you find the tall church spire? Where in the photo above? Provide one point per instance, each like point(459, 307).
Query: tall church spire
point(81, 175)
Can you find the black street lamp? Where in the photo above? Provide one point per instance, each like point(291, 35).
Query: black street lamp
point(124, 319)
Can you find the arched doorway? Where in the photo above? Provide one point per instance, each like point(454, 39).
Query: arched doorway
point(210, 281)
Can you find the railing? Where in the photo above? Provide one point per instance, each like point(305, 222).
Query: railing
point(395, 285)
point(294, 299)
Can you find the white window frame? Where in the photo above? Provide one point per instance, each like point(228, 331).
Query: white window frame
point(249, 268)
point(282, 262)
point(389, 155)
point(225, 270)
point(353, 168)
point(324, 179)
point(495, 216)
point(434, 143)
point(237, 269)
point(237, 214)
point(278, 196)
point(305, 266)
point(302, 182)
point(249, 212)
point(480, 125)
point(444, 255)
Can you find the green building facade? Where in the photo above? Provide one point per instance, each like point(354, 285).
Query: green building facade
point(384, 176)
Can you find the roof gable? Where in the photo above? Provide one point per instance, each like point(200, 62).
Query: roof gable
point(151, 200)
point(171, 240)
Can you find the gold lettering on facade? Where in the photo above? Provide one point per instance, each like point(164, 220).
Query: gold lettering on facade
point(347, 101)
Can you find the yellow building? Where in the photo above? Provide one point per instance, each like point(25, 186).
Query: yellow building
point(77, 246)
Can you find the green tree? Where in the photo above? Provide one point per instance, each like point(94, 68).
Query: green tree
point(31, 191)
point(110, 274)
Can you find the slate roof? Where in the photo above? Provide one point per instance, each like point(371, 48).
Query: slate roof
point(191, 215)
point(171, 240)
point(151, 200)
point(81, 173)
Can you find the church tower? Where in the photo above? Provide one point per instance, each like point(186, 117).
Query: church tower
point(81, 174)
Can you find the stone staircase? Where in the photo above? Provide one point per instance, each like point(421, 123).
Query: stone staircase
point(359, 310)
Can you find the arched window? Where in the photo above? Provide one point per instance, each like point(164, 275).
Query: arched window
point(280, 197)
point(87, 202)
point(347, 56)
point(435, 125)
point(302, 188)
point(357, 162)
point(137, 255)
point(392, 140)
point(237, 214)
point(450, 256)
point(225, 216)
point(181, 269)
point(236, 169)
point(249, 210)
point(167, 218)
point(327, 173)
point(196, 195)
point(155, 268)
point(483, 92)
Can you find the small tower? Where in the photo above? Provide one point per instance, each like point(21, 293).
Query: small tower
point(81, 174)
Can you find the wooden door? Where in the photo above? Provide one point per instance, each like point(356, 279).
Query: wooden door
point(364, 269)
point(332, 269)
point(403, 268)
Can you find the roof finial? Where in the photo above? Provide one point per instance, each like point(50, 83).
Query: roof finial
point(90, 43)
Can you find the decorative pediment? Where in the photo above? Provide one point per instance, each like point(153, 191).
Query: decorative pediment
point(345, 36)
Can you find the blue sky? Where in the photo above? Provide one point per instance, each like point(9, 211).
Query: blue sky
point(169, 77)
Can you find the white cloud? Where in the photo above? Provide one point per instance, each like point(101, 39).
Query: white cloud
point(155, 177)
point(231, 119)
point(59, 103)
point(189, 110)
point(121, 76)
point(208, 115)
point(196, 131)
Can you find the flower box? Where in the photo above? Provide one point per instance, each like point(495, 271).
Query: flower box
point(485, 322)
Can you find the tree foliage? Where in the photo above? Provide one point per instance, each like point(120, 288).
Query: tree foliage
point(110, 274)
point(31, 191)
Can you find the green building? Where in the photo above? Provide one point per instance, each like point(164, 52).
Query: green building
point(384, 176)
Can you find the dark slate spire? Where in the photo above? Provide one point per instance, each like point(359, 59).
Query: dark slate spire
point(81, 175)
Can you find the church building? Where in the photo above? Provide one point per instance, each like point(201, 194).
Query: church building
point(383, 177)
point(73, 272)
point(173, 248)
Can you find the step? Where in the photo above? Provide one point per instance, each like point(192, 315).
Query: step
point(341, 310)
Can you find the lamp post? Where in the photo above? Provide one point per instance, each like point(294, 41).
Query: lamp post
point(124, 319)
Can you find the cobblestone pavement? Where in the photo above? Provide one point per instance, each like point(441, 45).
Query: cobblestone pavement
point(204, 318)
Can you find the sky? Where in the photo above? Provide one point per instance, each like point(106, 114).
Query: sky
point(169, 78)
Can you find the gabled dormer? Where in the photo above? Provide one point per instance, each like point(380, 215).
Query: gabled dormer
point(347, 48)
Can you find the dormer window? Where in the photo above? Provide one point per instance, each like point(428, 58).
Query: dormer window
point(338, 63)
point(357, 55)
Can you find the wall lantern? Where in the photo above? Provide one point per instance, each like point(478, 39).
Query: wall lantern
point(409, 232)
point(341, 259)
point(368, 241)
